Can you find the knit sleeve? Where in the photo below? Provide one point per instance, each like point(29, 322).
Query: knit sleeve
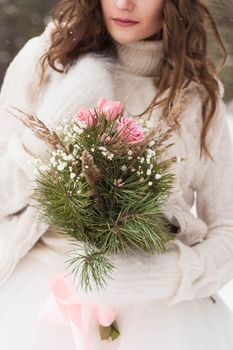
point(215, 207)
point(15, 169)
point(186, 272)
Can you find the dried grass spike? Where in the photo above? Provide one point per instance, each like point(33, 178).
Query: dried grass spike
point(92, 175)
point(39, 129)
point(90, 170)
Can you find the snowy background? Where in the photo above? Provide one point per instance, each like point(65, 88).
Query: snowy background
point(23, 19)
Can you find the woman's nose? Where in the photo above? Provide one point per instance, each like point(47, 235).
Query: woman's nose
point(125, 4)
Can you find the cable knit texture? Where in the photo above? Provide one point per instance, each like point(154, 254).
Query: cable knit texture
point(200, 261)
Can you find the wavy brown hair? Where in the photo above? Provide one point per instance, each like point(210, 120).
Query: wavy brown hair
point(79, 28)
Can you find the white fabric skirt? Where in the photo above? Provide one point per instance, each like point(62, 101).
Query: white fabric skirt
point(190, 325)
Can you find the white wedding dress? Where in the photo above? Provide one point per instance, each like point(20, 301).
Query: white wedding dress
point(199, 324)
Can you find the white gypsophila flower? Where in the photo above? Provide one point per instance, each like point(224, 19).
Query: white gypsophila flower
point(52, 159)
point(129, 158)
point(133, 170)
point(64, 156)
point(151, 143)
point(141, 179)
point(142, 160)
point(150, 183)
point(110, 156)
point(54, 164)
point(118, 182)
point(72, 176)
point(138, 173)
point(123, 168)
point(148, 172)
point(151, 166)
point(104, 154)
point(69, 157)
point(130, 152)
point(61, 166)
point(158, 176)
point(148, 160)
point(92, 149)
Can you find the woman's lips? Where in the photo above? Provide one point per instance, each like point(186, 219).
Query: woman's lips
point(124, 22)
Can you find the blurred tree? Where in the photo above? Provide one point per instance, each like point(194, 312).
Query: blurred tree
point(222, 11)
point(19, 21)
point(23, 19)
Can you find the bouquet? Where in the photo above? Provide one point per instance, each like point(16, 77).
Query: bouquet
point(104, 186)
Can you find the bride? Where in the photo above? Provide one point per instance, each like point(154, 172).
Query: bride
point(142, 50)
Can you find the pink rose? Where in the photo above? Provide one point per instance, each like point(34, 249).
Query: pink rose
point(87, 116)
point(110, 108)
point(130, 130)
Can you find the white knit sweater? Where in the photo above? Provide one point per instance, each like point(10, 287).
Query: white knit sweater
point(200, 261)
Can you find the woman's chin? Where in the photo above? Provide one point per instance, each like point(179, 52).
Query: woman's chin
point(125, 40)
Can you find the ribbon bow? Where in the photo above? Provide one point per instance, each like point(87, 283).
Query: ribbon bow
point(66, 306)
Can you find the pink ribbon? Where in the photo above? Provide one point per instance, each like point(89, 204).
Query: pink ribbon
point(65, 306)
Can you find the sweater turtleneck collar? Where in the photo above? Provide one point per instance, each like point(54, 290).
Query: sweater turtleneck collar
point(140, 57)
